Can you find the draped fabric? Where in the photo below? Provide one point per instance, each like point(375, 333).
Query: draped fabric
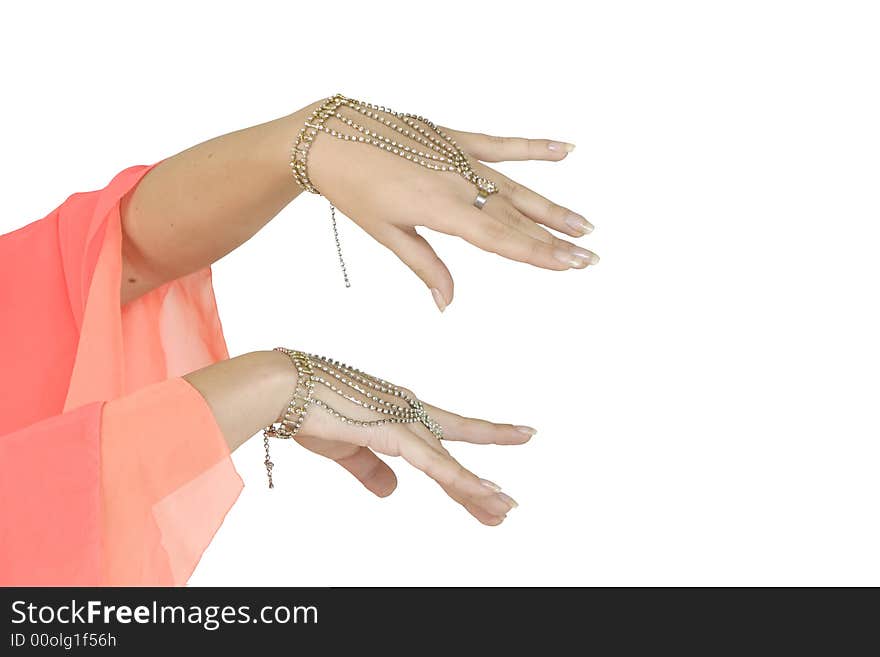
point(113, 470)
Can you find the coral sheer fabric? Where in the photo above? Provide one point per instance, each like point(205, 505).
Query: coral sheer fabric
point(113, 470)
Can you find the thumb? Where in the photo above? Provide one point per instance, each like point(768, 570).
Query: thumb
point(371, 471)
point(418, 255)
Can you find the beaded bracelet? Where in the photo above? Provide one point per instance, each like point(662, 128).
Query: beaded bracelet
point(352, 384)
point(436, 150)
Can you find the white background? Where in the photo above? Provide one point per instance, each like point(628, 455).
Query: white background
point(706, 397)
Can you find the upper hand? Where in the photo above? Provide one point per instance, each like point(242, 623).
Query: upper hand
point(389, 197)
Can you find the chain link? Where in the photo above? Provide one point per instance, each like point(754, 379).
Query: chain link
point(349, 383)
point(435, 149)
point(268, 462)
point(338, 245)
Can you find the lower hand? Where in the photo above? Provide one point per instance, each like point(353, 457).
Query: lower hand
point(354, 448)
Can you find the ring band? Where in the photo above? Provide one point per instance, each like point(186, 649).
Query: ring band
point(481, 199)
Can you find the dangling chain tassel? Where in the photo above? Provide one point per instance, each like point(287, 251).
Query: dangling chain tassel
point(268, 460)
point(338, 245)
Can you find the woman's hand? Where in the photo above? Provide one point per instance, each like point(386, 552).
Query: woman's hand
point(389, 197)
point(251, 391)
point(354, 448)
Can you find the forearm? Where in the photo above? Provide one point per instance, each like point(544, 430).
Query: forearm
point(246, 393)
point(200, 204)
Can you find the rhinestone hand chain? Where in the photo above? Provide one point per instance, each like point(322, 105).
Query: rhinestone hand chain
point(357, 387)
point(435, 149)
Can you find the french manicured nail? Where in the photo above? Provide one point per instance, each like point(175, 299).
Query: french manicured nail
point(526, 430)
point(576, 257)
point(491, 484)
point(578, 224)
point(560, 146)
point(438, 299)
point(509, 500)
point(584, 256)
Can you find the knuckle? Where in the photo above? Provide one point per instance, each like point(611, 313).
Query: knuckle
point(423, 269)
point(514, 218)
point(535, 251)
point(381, 439)
point(437, 467)
point(459, 476)
point(556, 242)
point(495, 230)
point(510, 187)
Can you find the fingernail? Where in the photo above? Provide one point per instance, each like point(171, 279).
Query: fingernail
point(584, 257)
point(526, 430)
point(509, 500)
point(564, 256)
point(492, 485)
point(578, 223)
point(438, 299)
point(576, 257)
point(560, 146)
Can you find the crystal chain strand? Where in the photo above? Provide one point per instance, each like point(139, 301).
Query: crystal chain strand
point(354, 382)
point(338, 245)
point(441, 152)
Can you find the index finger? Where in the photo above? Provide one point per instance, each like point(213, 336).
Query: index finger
point(492, 148)
point(475, 430)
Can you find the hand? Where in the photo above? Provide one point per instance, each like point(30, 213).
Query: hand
point(354, 448)
point(389, 197)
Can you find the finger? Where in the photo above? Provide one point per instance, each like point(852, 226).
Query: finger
point(490, 148)
point(376, 476)
point(489, 510)
point(478, 512)
point(487, 233)
point(504, 211)
point(480, 432)
point(537, 207)
point(433, 459)
point(415, 251)
point(484, 508)
point(484, 516)
point(449, 473)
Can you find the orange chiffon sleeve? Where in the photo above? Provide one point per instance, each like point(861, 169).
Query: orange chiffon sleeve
point(112, 468)
point(166, 484)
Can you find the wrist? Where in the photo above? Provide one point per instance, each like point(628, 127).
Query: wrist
point(296, 120)
point(278, 379)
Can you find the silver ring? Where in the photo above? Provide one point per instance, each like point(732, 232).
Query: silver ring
point(481, 199)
